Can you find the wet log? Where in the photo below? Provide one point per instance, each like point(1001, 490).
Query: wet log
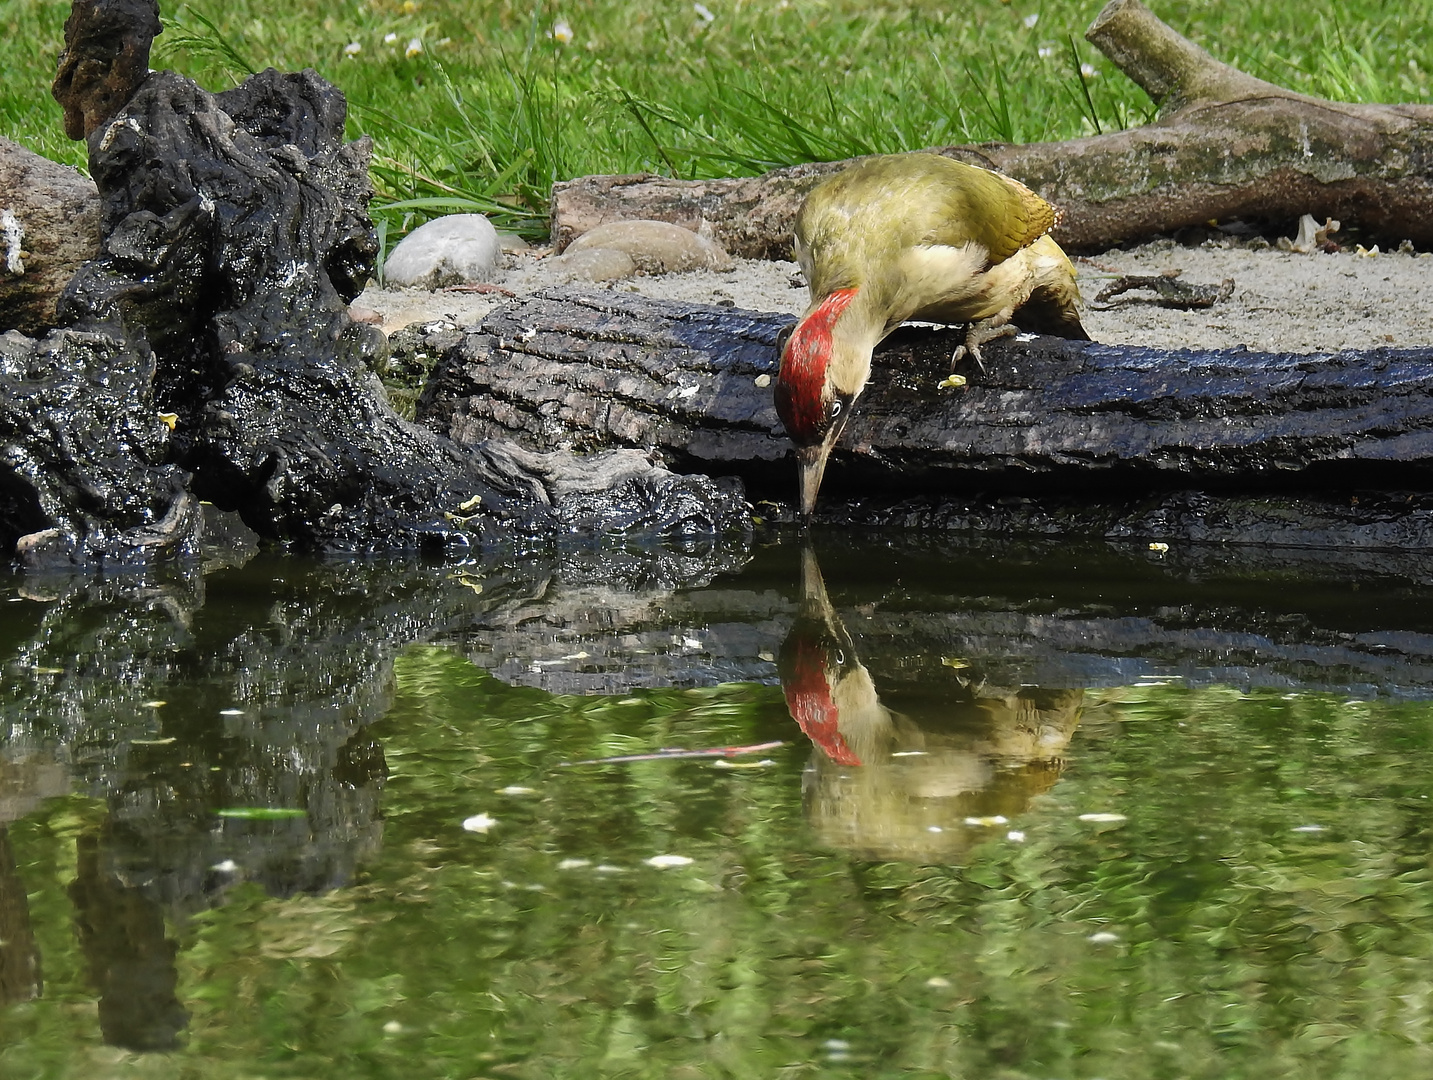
point(1226, 147)
point(1049, 420)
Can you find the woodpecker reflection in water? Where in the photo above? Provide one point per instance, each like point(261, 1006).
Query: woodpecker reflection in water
point(887, 785)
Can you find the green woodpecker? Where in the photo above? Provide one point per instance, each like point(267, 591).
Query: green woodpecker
point(910, 236)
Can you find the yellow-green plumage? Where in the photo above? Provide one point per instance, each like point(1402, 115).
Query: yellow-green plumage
point(911, 236)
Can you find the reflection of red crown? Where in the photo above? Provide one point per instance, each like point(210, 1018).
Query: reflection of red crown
point(808, 698)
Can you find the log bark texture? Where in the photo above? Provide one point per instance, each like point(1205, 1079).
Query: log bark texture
point(56, 228)
point(1101, 425)
point(602, 369)
point(1226, 147)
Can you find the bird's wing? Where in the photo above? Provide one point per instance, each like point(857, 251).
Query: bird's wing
point(978, 206)
point(872, 214)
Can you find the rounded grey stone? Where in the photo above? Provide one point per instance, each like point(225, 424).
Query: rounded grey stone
point(656, 247)
point(460, 249)
point(595, 264)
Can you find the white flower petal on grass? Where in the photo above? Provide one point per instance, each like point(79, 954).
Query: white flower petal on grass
point(353, 48)
point(1088, 71)
point(704, 13)
point(479, 823)
point(1044, 52)
point(562, 32)
point(389, 39)
point(415, 46)
point(1103, 817)
point(1031, 20)
point(662, 862)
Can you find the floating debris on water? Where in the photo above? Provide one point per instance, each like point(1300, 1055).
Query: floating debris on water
point(678, 753)
point(997, 819)
point(573, 864)
point(1102, 937)
point(479, 823)
point(662, 862)
point(517, 789)
point(1105, 818)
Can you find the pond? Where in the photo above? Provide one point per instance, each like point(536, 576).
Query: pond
point(965, 808)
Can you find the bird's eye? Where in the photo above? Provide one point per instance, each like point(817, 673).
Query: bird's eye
point(836, 407)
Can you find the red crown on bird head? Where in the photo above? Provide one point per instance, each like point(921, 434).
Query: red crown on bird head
point(802, 377)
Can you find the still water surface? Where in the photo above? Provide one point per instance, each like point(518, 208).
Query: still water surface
point(1045, 811)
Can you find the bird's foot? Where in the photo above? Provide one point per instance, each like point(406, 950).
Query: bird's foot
point(978, 334)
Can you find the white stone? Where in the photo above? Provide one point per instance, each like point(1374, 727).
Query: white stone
point(460, 249)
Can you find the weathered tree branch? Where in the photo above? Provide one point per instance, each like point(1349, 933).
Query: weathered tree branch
point(1227, 146)
point(1099, 424)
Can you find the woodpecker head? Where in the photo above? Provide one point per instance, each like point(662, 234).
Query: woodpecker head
point(817, 658)
point(821, 374)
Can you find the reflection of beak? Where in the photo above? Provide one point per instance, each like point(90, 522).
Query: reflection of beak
point(811, 464)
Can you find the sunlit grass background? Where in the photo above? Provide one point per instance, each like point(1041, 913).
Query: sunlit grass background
point(482, 105)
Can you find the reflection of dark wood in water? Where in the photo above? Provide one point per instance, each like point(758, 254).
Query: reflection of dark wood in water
point(20, 978)
point(131, 960)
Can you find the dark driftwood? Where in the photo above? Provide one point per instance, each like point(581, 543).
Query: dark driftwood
point(208, 355)
point(1227, 146)
point(604, 369)
point(1108, 425)
point(106, 57)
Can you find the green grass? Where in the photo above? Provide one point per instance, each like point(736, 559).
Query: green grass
point(493, 108)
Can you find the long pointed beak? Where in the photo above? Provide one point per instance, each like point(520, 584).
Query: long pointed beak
point(811, 466)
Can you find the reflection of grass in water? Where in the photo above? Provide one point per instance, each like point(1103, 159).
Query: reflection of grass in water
point(1238, 946)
